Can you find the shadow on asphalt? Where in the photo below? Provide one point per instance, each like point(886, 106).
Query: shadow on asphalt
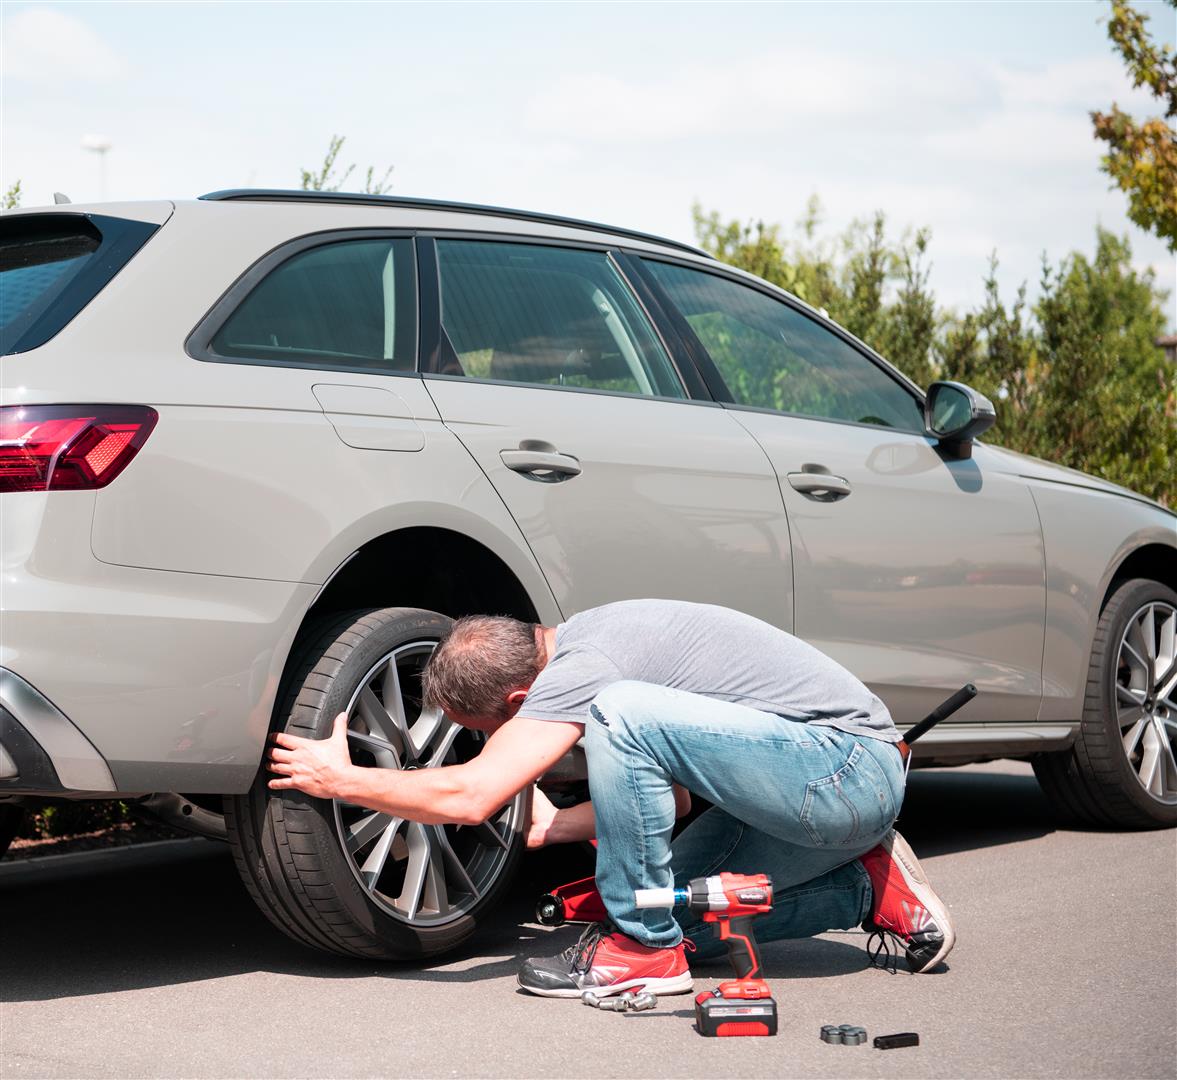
point(949, 810)
point(193, 921)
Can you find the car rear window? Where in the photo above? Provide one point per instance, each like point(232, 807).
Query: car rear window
point(53, 265)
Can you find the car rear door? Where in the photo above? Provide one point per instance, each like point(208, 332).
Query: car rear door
point(547, 367)
point(917, 571)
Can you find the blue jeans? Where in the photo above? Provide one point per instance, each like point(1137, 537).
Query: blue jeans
point(796, 801)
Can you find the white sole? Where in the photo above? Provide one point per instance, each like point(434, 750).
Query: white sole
point(917, 882)
point(675, 984)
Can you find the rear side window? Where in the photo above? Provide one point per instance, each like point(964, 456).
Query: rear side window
point(52, 266)
point(349, 305)
point(525, 313)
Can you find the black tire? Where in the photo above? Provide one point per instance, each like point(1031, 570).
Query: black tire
point(11, 815)
point(287, 845)
point(1094, 782)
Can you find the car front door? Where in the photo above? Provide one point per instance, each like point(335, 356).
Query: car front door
point(549, 371)
point(917, 571)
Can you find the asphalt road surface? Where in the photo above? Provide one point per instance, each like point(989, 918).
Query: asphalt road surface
point(1065, 966)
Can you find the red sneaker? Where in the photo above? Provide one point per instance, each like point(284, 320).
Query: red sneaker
point(904, 905)
point(607, 964)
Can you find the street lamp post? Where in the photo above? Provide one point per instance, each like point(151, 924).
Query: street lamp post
point(98, 144)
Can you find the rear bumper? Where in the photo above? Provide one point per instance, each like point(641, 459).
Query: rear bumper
point(41, 751)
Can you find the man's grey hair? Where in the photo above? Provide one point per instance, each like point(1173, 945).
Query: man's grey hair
point(478, 663)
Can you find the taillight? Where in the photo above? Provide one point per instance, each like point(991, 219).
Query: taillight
point(69, 447)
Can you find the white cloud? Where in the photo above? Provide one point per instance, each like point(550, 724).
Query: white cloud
point(763, 97)
point(45, 46)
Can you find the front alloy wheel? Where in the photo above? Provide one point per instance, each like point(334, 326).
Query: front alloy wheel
point(1146, 698)
point(1122, 770)
point(352, 880)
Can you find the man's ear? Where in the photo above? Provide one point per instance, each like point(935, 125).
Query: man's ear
point(514, 700)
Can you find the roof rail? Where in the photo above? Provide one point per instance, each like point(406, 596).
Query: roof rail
point(410, 203)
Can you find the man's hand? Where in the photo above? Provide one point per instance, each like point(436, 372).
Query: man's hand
point(320, 767)
point(543, 813)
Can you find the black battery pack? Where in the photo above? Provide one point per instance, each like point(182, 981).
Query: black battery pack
point(723, 1017)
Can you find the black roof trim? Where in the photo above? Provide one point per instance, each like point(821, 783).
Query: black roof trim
point(408, 203)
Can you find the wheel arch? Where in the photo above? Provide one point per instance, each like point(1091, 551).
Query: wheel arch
point(452, 573)
point(1155, 561)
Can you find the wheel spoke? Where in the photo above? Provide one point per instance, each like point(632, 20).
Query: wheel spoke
point(1129, 696)
point(1162, 683)
point(367, 828)
point(1168, 763)
point(437, 893)
point(394, 702)
point(1150, 761)
point(426, 729)
point(1148, 632)
point(378, 720)
point(378, 746)
point(374, 864)
point(1144, 665)
point(453, 864)
point(489, 836)
point(1131, 738)
point(416, 871)
point(444, 745)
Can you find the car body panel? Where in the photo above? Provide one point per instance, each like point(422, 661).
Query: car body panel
point(1088, 535)
point(653, 512)
point(928, 575)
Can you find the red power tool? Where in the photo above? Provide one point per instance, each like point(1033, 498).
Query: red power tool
point(743, 1005)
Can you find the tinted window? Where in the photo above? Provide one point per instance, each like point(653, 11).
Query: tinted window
point(556, 316)
point(349, 305)
point(773, 357)
point(52, 265)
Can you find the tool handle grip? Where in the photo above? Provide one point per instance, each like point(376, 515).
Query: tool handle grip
point(741, 946)
point(946, 708)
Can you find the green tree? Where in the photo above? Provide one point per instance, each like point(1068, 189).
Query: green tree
point(875, 287)
point(1142, 155)
point(12, 197)
point(1106, 398)
point(324, 178)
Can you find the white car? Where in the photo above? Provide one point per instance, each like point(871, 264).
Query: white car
point(257, 448)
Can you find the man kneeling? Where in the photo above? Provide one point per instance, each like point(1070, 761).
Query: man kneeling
point(797, 757)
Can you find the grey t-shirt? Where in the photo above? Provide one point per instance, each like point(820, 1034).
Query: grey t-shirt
point(707, 650)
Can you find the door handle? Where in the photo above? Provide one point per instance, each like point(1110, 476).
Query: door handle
point(820, 485)
point(547, 466)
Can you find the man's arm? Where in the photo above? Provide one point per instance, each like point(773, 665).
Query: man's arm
point(516, 755)
point(552, 826)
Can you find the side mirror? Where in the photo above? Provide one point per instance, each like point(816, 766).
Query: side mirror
point(955, 415)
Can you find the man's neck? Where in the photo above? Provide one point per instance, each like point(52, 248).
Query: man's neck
point(546, 640)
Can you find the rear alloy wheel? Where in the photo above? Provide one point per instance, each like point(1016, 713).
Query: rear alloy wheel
point(1123, 768)
point(353, 880)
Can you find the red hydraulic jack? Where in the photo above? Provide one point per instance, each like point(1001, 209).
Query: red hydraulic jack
point(578, 901)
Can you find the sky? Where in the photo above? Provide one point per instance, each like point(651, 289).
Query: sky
point(970, 119)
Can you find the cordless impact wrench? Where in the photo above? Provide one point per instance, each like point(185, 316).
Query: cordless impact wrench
point(743, 1005)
